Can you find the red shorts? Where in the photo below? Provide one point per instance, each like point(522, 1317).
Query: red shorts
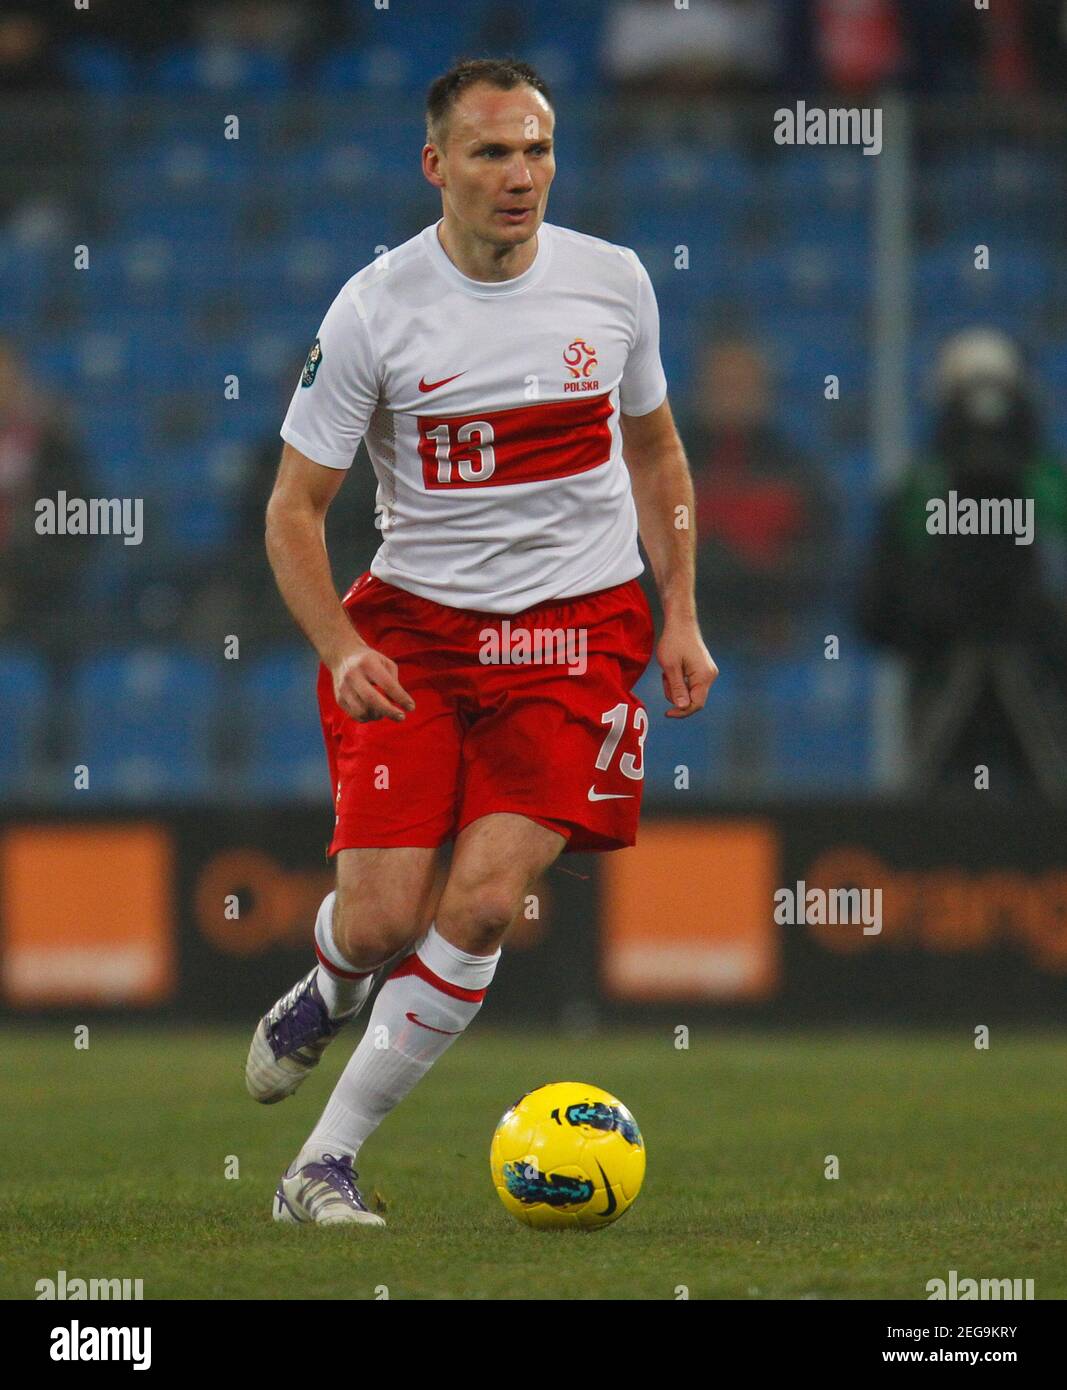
point(500, 723)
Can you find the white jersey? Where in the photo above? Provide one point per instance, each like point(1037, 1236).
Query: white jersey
point(491, 416)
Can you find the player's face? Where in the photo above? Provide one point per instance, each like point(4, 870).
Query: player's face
point(497, 164)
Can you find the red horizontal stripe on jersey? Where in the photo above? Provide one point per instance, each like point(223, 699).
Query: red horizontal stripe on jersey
point(530, 443)
point(415, 965)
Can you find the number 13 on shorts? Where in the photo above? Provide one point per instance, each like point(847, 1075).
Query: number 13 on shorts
point(619, 717)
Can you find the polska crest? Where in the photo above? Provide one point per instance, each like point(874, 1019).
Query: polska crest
point(579, 358)
point(311, 366)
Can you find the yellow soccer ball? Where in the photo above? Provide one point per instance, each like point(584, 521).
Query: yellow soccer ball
point(567, 1157)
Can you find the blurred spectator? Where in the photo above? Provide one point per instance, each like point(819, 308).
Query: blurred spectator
point(944, 44)
point(858, 44)
point(651, 48)
point(297, 28)
point(39, 196)
point(654, 49)
point(765, 518)
point(301, 30)
point(980, 617)
point(858, 47)
point(38, 459)
point(28, 60)
point(351, 534)
point(1008, 65)
point(1045, 28)
point(137, 27)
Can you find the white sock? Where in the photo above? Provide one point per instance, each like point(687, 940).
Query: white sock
point(442, 988)
point(343, 989)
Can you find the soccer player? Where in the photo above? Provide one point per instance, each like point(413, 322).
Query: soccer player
point(477, 682)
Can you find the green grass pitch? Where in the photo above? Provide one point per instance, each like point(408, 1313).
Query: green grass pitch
point(950, 1158)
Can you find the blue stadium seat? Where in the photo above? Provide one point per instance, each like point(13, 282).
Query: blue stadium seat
point(568, 202)
point(1052, 369)
point(398, 54)
point(835, 179)
point(859, 505)
point(578, 24)
point(704, 273)
point(1018, 276)
point(143, 723)
point(24, 279)
point(855, 468)
point(114, 441)
point(816, 343)
point(284, 753)
point(98, 65)
point(381, 66)
point(218, 68)
point(341, 242)
point(668, 223)
point(200, 525)
point(804, 419)
point(189, 168)
point(1057, 430)
point(838, 232)
point(821, 720)
point(23, 705)
point(713, 183)
point(57, 361)
point(819, 274)
point(172, 476)
point(1009, 183)
point(201, 230)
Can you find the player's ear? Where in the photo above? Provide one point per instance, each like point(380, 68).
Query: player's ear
point(431, 160)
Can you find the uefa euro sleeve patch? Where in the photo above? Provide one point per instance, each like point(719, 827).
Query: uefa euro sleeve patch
point(311, 366)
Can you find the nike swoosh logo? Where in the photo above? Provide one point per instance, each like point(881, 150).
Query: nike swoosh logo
point(415, 1019)
point(425, 385)
point(594, 795)
point(612, 1200)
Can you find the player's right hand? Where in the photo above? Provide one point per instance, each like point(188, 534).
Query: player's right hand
point(366, 686)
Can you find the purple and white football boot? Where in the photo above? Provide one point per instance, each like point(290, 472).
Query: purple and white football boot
point(324, 1192)
point(290, 1040)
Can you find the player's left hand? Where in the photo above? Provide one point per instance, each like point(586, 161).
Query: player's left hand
point(688, 670)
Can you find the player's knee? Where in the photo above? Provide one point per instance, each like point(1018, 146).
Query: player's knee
point(476, 921)
point(368, 931)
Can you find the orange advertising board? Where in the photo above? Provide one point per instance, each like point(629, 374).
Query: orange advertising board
point(686, 913)
point(86, 915)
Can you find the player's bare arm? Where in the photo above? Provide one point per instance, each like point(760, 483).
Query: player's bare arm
point(366, 683)
point(661, 483)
